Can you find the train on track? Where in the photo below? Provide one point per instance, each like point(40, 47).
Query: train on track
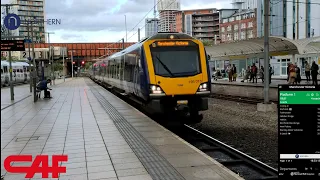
point(20, 73)
point(167, 73)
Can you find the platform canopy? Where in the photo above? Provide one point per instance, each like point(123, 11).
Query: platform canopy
point(278, 46)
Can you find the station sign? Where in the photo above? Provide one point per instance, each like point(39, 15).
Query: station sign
point(12, 45)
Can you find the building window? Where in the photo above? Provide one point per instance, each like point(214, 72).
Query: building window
point(250, 24)
point(223, 37)
point(250, 34)
point(238, 18)
point(235, 27)
point(229, 28)
point(229, 36)
point(236, 36)
point(243, 35)
point(224, 20)
point(222, 29)
point(243, 25)
point(252, 15)
point(231, 19)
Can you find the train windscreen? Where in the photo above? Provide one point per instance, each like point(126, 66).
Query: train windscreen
point(176, 61)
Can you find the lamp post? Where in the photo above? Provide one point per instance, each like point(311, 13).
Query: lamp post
point(125, 23)
point(72, 61)
point(51, 50)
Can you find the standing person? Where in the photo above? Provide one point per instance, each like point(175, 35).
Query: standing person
point(298, 74)
point(271, 72)
point(292, 74)
point(314, 73)
point(234, 72)
point(261, 73)
point(254, 70)
point(288, 72)
point(229, 71)
point(307, 71)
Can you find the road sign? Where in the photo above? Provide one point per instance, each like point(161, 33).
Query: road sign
point(12, 45)
point(12, 21)
point(28, 41)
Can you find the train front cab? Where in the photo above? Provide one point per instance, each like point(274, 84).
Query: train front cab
point(178, 75)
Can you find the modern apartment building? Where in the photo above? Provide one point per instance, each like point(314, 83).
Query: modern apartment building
point(30, 9)
point(296, 19)
point(245, 4)
point(199, 23)
point(239, 26)
point(167, 10)
point(151, 26)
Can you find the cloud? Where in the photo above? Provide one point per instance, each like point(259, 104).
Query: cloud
point(93, 20)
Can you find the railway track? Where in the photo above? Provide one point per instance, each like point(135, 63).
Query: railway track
point(242, 164)
point(241, 99)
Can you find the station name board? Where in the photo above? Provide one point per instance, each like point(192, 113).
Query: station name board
point(12, 45)
point(173, 43)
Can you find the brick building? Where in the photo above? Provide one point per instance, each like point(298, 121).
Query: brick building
point(202, 24)
point(229, 27)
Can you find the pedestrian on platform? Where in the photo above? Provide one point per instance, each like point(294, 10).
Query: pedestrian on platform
point(254, 71)
point(261, 73)
point(234, 73)
point(298, 74)
point(288, 72)
point(307, 71)
point(229, 71)
point(314, 73)
point(292, 74)
point(271, 73)
point(43, 86)
point(247, 74)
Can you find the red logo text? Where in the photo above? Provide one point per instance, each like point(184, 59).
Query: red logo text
point(45, 169)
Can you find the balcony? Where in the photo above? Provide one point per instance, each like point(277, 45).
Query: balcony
point(204, 24)
point(203, 35)
point(203, 29)
point(203, 19)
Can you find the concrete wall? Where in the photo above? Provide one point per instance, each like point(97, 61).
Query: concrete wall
point(244, 90)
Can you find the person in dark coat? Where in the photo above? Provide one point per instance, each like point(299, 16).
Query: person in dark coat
point(298, 75)
point(43, 86)
point(314, 73)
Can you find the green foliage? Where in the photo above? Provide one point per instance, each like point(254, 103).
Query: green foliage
point(3, 58)
point(57, 67)
point(88, 65)
point(207, 43)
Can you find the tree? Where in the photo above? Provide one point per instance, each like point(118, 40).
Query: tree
point(3, 58)
point(57, 67)
point(207, 43)
point(88, 65)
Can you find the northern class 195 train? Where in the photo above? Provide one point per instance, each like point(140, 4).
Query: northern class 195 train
point(166, 73)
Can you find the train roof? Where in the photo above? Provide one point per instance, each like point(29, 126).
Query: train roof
point(14, 63)
point(160, 35)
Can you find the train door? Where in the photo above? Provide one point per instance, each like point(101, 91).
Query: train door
point(136, 79)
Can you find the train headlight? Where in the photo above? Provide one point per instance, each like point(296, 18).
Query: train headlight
point(203, 87)
point(155, 89)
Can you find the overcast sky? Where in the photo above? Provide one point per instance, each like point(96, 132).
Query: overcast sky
point(104, 20)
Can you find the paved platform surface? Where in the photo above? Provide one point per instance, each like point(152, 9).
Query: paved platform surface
point(21, 92)
point(104, 138)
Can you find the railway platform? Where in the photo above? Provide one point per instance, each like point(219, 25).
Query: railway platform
point(248, 89)
point(104, 138)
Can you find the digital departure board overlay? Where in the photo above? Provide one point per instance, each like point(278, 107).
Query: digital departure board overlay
point(299, 131)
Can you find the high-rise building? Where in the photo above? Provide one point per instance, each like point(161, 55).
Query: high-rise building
point(291, 19)
point(199, 23)
point(29, 10)
point(245, 4)
point(167, 10)
point(151, 26)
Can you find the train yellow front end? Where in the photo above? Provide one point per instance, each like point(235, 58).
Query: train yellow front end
point(178, 74)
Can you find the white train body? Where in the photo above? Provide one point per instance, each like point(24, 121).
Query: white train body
point(20, 72)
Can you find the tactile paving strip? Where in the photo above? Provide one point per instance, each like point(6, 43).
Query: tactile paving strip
point(156, 165)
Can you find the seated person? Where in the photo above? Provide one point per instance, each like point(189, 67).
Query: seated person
point(42, 86)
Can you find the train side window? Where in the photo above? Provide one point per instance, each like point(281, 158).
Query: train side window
point(21, 70)
point(1, 71)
